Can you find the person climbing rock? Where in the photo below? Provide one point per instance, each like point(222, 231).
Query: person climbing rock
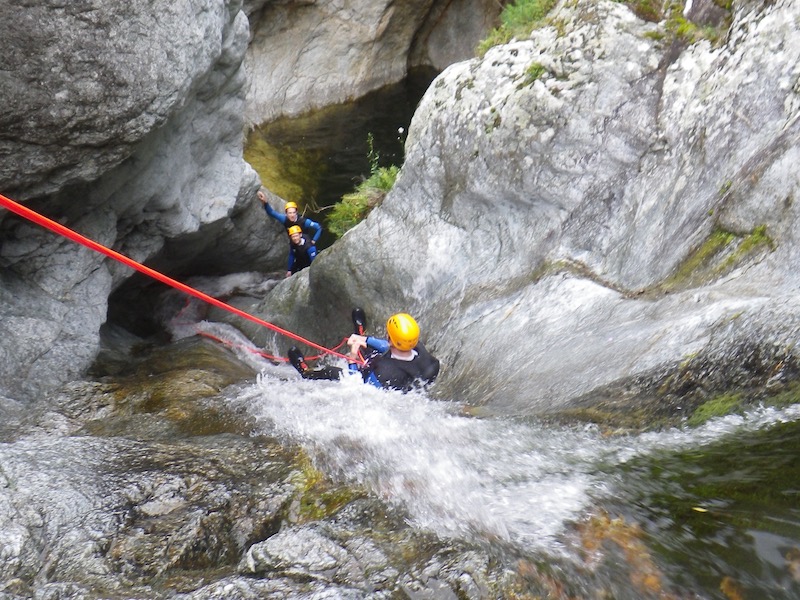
point(400, 362)
point(302, 251)
point(292, 218)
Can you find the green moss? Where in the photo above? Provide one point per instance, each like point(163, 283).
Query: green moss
point(683, 29)
point(689, 32)
point(534, 72)
point(496, 37)
point(355, 207)
point(561, 27)
point(698, 262)
point(317, 497)
point(521, 14)
point(718, 407)
point(687, 361)
point(655, 35)
point(751, 244)
point(676, 27)
point(518, 19)
point(647, 10)
point(719, 254)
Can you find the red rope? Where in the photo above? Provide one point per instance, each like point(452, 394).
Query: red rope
point(84, 241)
point(261, 353)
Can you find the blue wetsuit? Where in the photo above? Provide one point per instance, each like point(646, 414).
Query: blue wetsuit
point(384, 371)
point(301, 255)
point(305, 223)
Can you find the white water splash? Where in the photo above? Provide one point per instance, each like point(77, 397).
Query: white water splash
point(457, 476)
point(476, 479)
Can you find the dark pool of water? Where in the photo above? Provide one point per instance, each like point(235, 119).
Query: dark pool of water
point(724, 518)
point(317, 158)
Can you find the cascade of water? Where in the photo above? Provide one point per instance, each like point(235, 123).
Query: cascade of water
point(482, 480)
point(517, 485)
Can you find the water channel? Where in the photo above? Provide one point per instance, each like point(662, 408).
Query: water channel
point(711, 512)
point(317, 158)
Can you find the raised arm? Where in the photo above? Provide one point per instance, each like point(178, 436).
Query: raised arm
point(281, 218)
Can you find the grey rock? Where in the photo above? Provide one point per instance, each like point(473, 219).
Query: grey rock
point(305, 56)
point(538, 223)
point(302, 551)
point(87, 509)
point(125, 124)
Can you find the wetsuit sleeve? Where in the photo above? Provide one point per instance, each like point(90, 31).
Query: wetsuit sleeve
point(312, 252)
point(275, 214)
point(381, 346)
point(369, 377)
point(373, 380)
point(309, 224)
point(378, 344)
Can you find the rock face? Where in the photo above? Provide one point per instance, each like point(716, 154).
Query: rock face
point(307, 55)
point(588, 206)
point(87, 82)
point(125, 123)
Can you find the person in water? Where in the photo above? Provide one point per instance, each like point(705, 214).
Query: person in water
point(291, 218)
point(399, 363)
point(302, 250)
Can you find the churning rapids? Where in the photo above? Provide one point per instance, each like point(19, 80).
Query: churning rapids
point(516, 485)
point(205, 490)
point(481, 479)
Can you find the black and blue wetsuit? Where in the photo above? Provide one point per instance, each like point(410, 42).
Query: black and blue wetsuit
point(304, 223)
point(301, 255)
point(385, 371)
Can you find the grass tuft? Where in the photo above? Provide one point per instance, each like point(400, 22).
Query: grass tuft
point(355, 206)
point(517, 20)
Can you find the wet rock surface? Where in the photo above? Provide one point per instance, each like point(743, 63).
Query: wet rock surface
point(148, 485)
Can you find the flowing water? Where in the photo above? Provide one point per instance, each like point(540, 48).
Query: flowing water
point(711, 511)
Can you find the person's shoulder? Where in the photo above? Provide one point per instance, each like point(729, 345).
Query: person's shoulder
point(422, 350)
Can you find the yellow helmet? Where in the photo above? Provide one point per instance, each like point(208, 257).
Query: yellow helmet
point(403, 331)
point(295, 229)
point(290, 205)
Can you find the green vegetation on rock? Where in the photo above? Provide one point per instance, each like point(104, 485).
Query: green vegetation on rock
point(720, 253)
point(355, 207)
point(516, 20)
point(717, 407)
point(318, 498)
point(676, 26)
point(534, 72)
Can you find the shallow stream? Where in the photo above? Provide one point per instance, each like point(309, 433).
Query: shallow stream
point(711, 511)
